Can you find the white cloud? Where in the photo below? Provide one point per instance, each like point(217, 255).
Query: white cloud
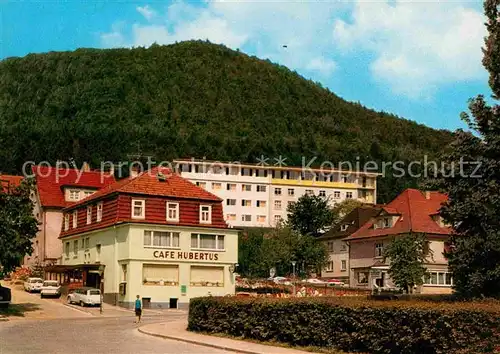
point(417, 45)
point(322, 65)
point(146, 11)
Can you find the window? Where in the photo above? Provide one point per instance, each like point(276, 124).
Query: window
point(87, 243)
point(309, 192)
point(261, 188)
point(74, 195)
point(343, 247)
point(231, 202)
point(202, 184)
point(322, 193)
point(291, 192)
point(344, 179)
point(66, 249)
point(231, 217)
point(99, 212)
point(66, 222)
point(160, 274)
point(124, 272)
point(231, 186)
point(344, 227)
point(246, 172)
point(261, 203)
point(277, 219)
point(362, 277)
point(290, 203)
point(261, 218)
point(379, 249)
point(246, 187)
point(343, 265)
point(172, 211)
point(336, 195)
point(277, 191)
point(387, 222)
point(138, 211)
point(246, 217)
point(277, 204)
point(205, 214)
point(438, 278)
point(246, 202)
point(216, 186)
point(207, 276)
point(87, 194)
point(348, 195)
point(75, 247)
point(83, 243)
point(89, 214)
point(329, 266)
point(330, 246)
point(75, 219)
point(207, 242)
point(161, 239)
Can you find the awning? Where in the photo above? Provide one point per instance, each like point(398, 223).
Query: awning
point(60, 268)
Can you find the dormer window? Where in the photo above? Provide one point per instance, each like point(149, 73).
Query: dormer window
point(75, 219)
point(138, 209)
point(89, 214)
point(74, 195)
point(344, 227)
point(387, 222)
point(99, 212)
point(172, 211)
point(205, 214)
point(66, 222)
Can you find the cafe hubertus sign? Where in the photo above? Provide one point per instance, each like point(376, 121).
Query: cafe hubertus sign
point(199, 256)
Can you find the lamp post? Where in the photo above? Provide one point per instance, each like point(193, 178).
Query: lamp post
point(293, 265)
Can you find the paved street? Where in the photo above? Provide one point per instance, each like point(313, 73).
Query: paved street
point(49, 326)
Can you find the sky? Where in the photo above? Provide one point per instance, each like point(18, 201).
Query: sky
point(420, 60)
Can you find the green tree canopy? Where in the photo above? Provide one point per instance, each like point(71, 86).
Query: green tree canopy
point(472, 181)
point(18, 226)
point(407, 255)
point(310, 215)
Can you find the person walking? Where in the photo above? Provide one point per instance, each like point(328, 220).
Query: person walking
point(138, 309)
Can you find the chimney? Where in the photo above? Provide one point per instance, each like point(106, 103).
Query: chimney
point(428, 195)
point(85, 167)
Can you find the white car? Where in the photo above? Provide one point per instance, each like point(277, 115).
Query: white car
point(85, 297)
point(50, 288)
point(314, 281)
point(33, 284)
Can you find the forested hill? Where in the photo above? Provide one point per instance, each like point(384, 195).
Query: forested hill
point(189, 99)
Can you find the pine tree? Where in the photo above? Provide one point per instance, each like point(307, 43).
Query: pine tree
point(472, 181)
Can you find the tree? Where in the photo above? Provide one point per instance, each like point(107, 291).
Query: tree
point(310, 215)
point(407, 254)
point(18, 226)
point(345, 207)
point(471, 178)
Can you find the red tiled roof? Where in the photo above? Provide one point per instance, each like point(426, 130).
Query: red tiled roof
point(50, 180)
point(415, 215)
point(7, 182)
point(147, 183)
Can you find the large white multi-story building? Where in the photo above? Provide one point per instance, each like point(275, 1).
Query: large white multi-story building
point(258, 196)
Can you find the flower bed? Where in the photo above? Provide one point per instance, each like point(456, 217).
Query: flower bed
point(354, 324)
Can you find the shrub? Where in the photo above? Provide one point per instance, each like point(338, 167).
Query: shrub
point(355, 324)
point(264, 290)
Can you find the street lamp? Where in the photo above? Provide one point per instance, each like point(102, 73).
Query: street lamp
point(293, 265)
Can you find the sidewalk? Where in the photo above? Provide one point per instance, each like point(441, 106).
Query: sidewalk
point(177, 331)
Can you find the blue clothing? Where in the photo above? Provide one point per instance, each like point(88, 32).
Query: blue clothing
point(138, 304)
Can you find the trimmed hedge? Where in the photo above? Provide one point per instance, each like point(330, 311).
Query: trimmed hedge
point(354, 325)
point(263, 290)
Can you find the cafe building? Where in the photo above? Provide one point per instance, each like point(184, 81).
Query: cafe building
point(156, 235)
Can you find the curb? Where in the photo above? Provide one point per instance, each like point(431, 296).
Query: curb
point(79, 310)
point(191, 341)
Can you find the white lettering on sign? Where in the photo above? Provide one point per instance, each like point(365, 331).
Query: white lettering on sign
point(199, 256)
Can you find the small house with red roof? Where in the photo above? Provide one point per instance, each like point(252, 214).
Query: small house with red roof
point(57, 188)
point(412, 211)
point(9, 182)
point(156, 235)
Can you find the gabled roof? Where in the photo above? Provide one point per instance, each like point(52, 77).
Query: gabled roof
point(8, 182)
point(50, 182)
point(356, 218)
point(414, 210)
point(149, 184)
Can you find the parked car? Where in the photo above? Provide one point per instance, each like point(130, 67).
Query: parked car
point(335, 282)
point(33, 284)
point(5, 297)
point(85, 297)
point(50, 288)
point(280, 280)
point(314, 281)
